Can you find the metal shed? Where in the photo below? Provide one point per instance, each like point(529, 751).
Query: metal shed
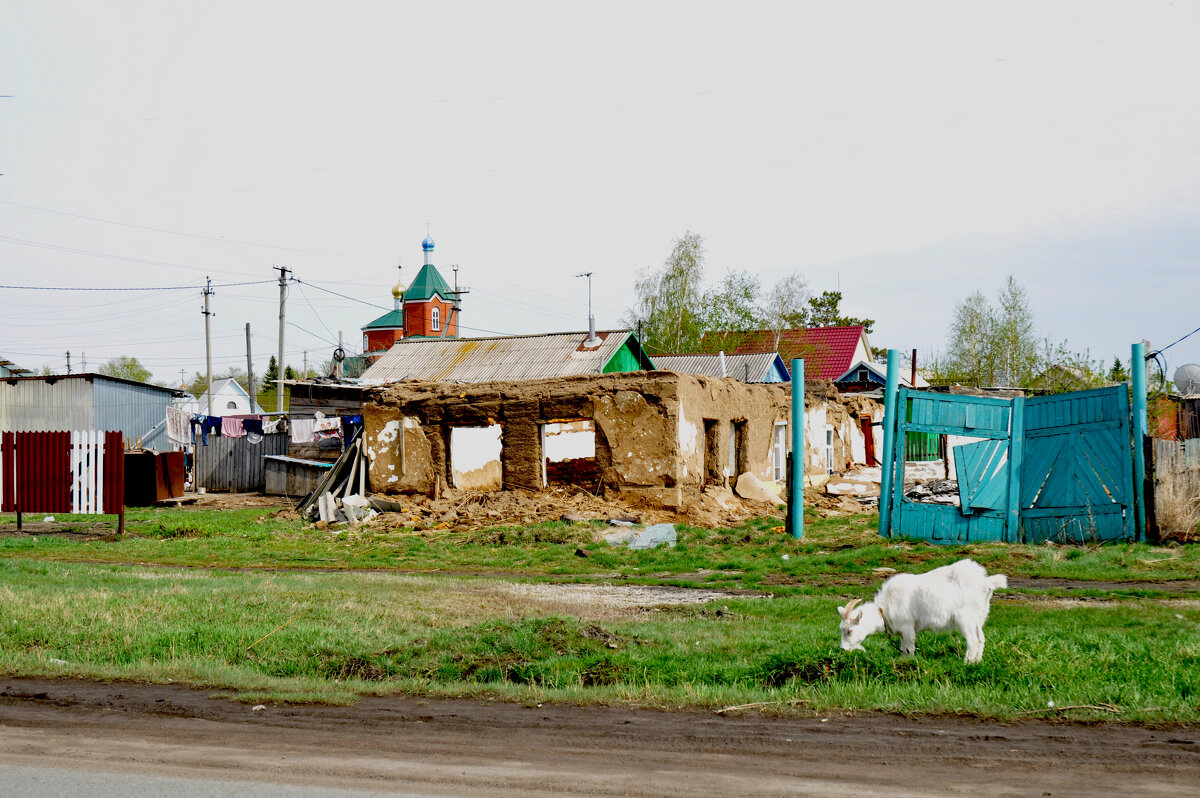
point(88, 402)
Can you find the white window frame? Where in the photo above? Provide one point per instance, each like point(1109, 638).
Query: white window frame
point(779, 445)
point(435, 317)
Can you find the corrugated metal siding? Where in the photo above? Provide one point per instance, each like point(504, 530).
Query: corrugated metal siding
point(528, 357)
point(92, 402)
point(747, 368)
point(235, 464)
point(33, 405)
point(138, 411)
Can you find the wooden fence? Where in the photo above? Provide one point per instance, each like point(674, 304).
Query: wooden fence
point(236, 464)
point(1177, 487)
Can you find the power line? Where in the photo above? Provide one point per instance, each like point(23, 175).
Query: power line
point(109, 256)
point(149, 288)
point(222, 239)
point(1189, 335)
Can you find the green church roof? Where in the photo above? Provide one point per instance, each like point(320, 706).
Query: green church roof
point(393, 319)
point(427, 283)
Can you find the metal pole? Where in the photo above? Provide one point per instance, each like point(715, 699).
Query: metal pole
point(887, 466)
point(1137, 369)
point(796, 489)
point(250, 371)
point(283, 273)
point(208, 341)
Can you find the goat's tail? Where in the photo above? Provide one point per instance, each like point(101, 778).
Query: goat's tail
point(997, 581)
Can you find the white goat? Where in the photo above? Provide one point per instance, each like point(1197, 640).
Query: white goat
point(955, 596)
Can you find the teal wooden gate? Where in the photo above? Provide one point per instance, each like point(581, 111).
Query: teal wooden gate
point(1029, 470)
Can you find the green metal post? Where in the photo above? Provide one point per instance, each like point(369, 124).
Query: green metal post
point(796, 489)
point(886, 464)
point(1137, 369)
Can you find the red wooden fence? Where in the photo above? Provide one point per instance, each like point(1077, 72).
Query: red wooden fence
point(62, 472)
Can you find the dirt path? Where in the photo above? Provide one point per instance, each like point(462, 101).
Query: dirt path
point(472, 748)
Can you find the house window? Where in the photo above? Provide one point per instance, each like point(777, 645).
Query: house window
point(436, 317)
point(780, 464)
point(231, 405)
point(828, 448)
point(863, 375)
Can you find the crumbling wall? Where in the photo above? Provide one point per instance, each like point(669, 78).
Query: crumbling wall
point(650, 430)
point(632, 413)
point(727, 401)
point(825, 406)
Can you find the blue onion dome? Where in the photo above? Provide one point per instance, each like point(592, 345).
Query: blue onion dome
point(427, 244)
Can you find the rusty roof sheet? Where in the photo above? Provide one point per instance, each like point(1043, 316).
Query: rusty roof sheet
point(508, 358)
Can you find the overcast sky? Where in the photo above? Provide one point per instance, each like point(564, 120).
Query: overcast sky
point(908, 153)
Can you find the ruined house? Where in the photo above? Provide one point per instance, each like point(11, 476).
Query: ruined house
point(660, 436)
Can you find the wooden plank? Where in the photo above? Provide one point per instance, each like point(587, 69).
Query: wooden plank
point(1016, 455)
point(897, 498)
point(1125, 438)
point(1081, 427)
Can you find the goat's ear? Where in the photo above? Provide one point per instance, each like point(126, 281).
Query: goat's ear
point(856, 617)
point(842, 611)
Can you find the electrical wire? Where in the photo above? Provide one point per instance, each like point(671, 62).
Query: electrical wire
point(146, 288)
point(221, 239)
point(1168, 346)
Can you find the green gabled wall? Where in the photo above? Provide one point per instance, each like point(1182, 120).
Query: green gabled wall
point(630, 357)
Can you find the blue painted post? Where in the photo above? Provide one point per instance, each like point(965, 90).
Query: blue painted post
point(887, 464)
point(797, 487)
point(1137, 370)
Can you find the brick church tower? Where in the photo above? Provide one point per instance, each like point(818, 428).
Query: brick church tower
point(426, 309)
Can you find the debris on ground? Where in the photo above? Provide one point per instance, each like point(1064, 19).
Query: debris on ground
point(934, 491)
point(471, 510)
point(645, 538)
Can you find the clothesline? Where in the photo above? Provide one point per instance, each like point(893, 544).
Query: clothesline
point(182, 426)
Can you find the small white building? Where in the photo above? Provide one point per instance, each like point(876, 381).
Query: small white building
point(228, 399)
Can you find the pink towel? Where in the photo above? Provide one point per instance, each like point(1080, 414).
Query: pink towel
point(232, 427)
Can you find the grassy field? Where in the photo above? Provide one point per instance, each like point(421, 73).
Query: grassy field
point(270, 608)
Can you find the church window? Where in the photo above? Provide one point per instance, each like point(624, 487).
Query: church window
point(436, 317)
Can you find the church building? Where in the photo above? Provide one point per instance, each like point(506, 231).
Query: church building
point(427, 309)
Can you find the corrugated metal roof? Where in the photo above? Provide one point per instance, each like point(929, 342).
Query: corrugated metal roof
point(517, 357)
point(747, 368)
point(827, 352)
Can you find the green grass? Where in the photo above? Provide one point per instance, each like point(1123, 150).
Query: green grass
point(283, 611)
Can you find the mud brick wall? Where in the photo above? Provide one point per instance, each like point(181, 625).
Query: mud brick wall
point(649, 426)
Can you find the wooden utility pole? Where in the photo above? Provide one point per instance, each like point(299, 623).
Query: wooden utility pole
point(208, 341)
point(283, 273)
point(250, 371)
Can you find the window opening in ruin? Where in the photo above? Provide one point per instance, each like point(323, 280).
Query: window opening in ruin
point(712, 449)
point(737, 449)
point(569, 453)
point(475, 457)
point(930, 467)
point(828, 448)
point(780, 451)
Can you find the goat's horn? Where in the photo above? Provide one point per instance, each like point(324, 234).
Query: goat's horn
point(850, 607)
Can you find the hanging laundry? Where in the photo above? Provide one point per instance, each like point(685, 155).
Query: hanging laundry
point(254, 425)
point(327, 428)
point(232, 427)
point(178, 425)
point(302, 430)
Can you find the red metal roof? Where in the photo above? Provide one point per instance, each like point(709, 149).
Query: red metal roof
point(827, 352)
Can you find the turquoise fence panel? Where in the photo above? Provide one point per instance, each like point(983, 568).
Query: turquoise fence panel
point(1047, 468)
point(1075, 480)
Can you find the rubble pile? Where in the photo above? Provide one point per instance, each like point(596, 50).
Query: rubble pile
point(471, 510)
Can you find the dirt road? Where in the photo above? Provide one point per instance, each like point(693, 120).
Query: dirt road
point(472, 748)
